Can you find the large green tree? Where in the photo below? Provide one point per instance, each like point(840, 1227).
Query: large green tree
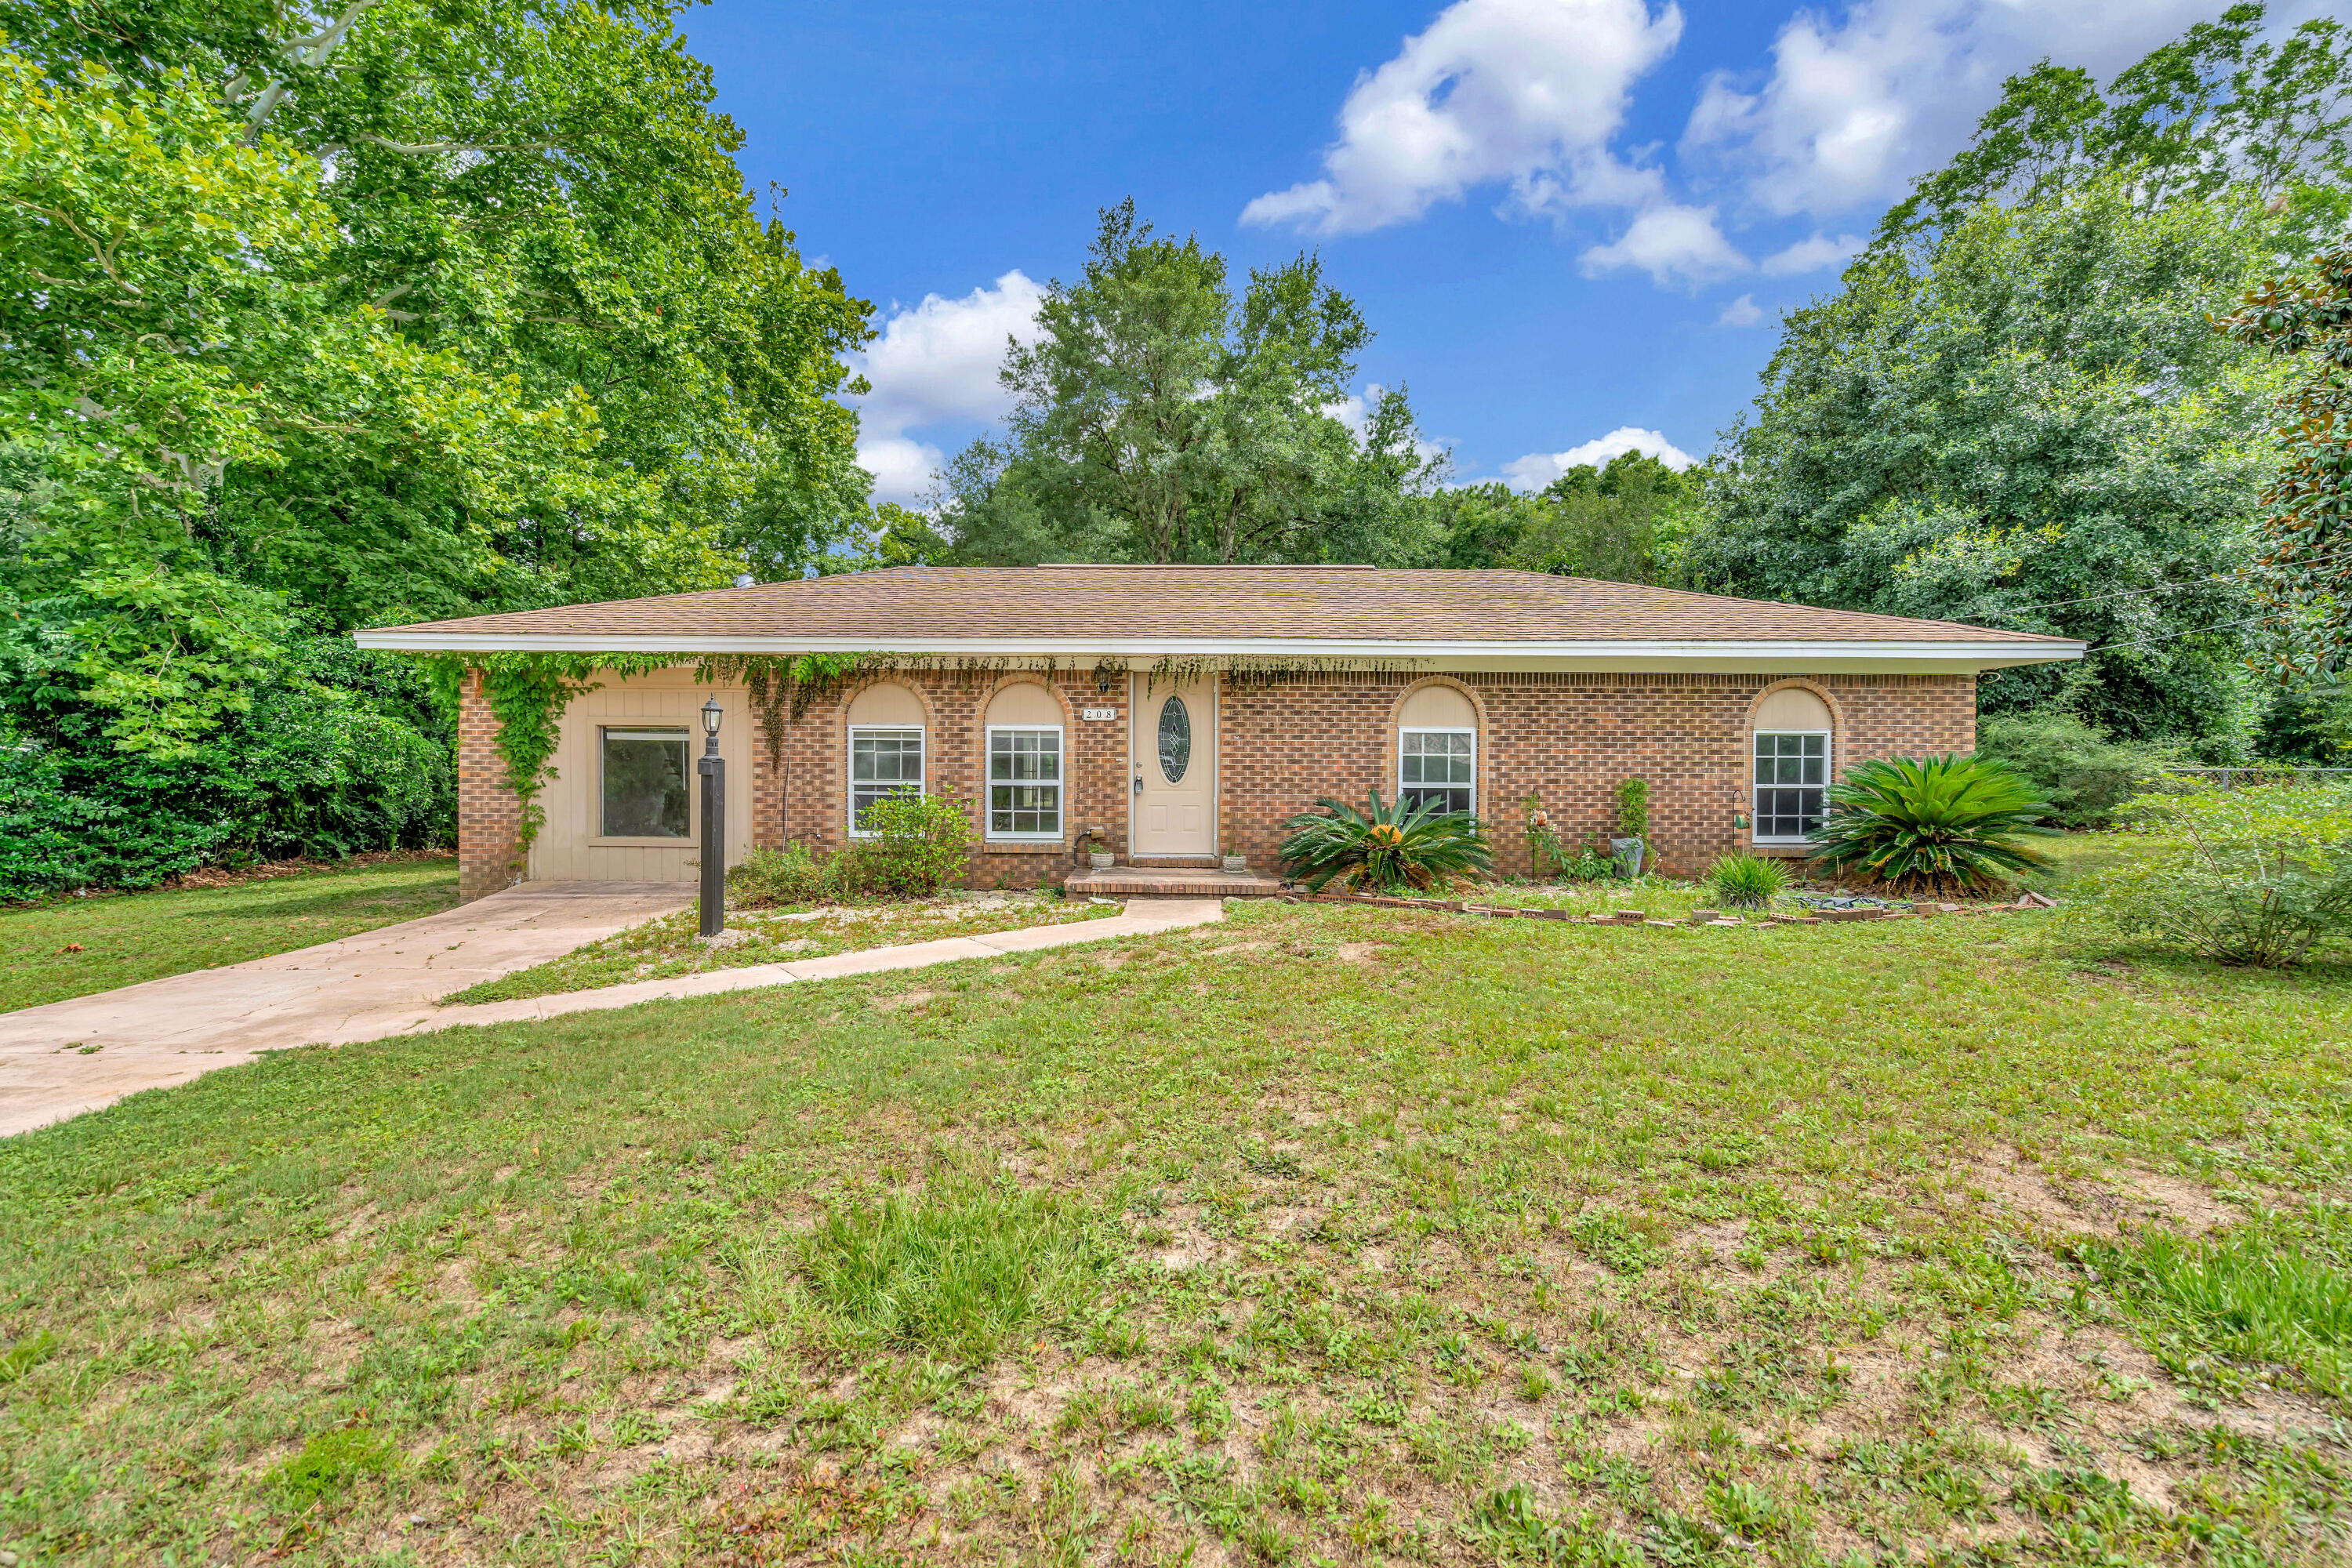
point(1159, 417)
point(1623, 522)
point(312, 319)
point(2304, 574)
point(2224, 107)
point(2025, 421)
point(2014, 410)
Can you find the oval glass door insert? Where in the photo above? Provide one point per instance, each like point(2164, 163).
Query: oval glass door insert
point(1175, 739)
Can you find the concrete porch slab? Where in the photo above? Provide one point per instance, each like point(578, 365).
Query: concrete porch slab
point(1171, 881)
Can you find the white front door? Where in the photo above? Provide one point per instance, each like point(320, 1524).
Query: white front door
point(1174, 750)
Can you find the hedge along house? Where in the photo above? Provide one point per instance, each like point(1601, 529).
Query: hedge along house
point(1175, 713)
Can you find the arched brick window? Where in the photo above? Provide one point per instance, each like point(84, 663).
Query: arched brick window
point(887, 743)
point(1795, 747)
point(1437, 749)
point(1028, 755)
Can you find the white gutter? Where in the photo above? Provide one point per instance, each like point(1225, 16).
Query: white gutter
point(1622, 654)
point(2023, 650)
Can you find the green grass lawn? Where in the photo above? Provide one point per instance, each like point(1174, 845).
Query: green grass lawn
point(72, 947)
point(669, 946)
point(1327, 1234)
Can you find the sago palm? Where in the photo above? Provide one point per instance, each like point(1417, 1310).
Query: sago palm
point(1932, 824)
point(1383, 846)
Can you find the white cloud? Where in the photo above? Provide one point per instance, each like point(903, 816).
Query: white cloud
point(1537, 470)
point(1527, 91)
point(1812, 254)
point(1741, 312)
point(1857, 105)
point(1670, 241)
point(937, 361)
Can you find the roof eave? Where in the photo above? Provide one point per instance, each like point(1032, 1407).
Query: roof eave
point(1611, 653)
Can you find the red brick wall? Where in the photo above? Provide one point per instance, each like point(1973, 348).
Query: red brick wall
point(767, 784)
point(956, 708)
point(489, 817)
point(1573, 736)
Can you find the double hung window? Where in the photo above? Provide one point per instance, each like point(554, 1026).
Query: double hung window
point(884, 761)
point(1792, 769)
point(1024, 782)
point(1438, 766)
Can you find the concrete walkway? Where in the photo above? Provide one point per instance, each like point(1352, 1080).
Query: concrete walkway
point(66, 1057)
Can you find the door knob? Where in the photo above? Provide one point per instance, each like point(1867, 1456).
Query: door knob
point(1138, 783)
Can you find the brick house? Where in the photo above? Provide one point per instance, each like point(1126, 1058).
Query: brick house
point(1172, 714)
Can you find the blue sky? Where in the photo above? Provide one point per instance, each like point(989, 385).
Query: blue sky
point(1572, 223)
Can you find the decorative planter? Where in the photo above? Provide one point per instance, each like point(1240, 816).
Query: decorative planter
point(1098, 858)
point(1236, 862)
point(1627, 852)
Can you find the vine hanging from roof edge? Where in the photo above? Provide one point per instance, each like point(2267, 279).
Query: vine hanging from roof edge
point(1273, 669)
point(527, 693)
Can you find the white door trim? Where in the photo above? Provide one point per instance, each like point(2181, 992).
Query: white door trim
point(1143, 751)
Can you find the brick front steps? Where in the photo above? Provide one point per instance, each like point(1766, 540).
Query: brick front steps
point(1171, 881)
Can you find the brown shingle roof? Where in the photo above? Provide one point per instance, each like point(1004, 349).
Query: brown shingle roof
point(911, 607)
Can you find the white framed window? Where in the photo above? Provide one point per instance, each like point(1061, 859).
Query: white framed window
point(1024, 781)
point(883, 760)
point(641, 789)
point(1439, 766)
point(1792, 769)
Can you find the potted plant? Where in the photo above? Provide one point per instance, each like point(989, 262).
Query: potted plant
point(1236, 860)
point(1097, 851)
point(1627, 844)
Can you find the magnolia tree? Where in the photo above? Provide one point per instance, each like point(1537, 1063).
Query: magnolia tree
point(2304, 569)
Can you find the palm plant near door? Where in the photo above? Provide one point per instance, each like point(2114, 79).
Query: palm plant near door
point(1384, 845)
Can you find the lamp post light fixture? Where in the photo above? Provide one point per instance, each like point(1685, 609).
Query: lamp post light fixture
point(713, 769)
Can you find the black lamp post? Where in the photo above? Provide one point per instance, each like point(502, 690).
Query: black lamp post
point(713, 769)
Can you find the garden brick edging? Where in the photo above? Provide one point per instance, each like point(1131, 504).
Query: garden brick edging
point(1923, 910)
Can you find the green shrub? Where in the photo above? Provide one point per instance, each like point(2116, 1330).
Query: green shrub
point(1934, 824)
point(344, 752)
point(2082, 771)
point(921, 845)
point(958, 1270)
point(1743, 881)
point(2257, 876)
point(1633, 809)
point(1383, 846)
point(795, 874)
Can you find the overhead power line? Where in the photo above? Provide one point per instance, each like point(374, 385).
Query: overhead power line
point(2176, 636)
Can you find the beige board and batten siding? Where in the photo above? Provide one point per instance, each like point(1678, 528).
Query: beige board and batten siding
point(570, 847)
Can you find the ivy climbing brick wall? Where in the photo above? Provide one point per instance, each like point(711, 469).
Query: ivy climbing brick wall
point(489, 817)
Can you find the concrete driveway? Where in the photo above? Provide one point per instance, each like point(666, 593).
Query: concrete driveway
point(64, 1058)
